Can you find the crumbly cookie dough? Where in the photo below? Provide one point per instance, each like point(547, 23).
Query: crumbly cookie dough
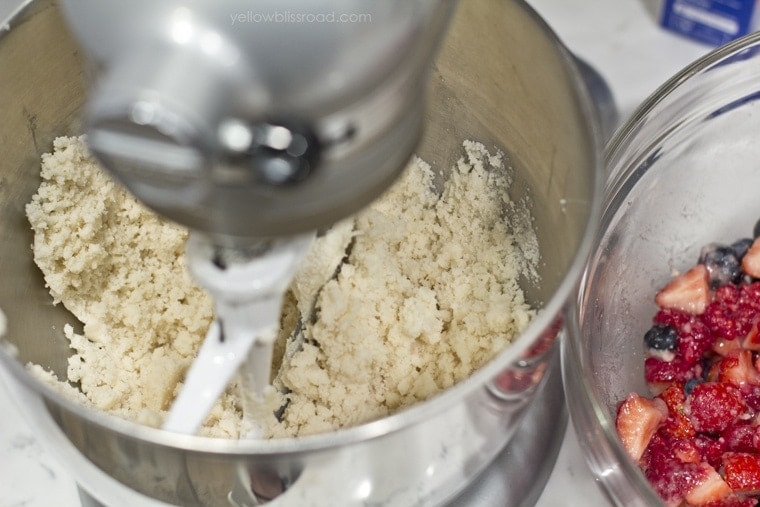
point(425, 293)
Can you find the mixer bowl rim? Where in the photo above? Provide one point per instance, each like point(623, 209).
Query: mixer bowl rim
point(416, 414)
point(575, 377)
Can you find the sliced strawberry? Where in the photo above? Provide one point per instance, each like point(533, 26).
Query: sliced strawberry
point(737, 369)
point(732, 500)
point(636, 422)
point(686, 451)
point(714, 406)
point(688, 292)
point(708, 487)
point(752, 340)
point(742, 472)
point(724, 346)
point(677, 424)
point(751, 260)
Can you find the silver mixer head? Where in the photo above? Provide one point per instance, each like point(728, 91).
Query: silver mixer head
point(247, 119)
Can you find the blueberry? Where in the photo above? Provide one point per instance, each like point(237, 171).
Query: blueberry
point(740, 247)
point(661, 337)
point(722, 264)
point(690, 384)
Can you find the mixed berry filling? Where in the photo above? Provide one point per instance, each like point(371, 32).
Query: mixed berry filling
point(697, 438)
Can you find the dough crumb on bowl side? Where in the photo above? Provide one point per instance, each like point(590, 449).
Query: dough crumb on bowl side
point(426, 293)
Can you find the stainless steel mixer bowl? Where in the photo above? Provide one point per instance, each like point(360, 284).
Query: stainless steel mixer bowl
point(683, 173)
point(502, 78)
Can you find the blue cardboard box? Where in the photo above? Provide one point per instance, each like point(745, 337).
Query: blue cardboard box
point(714, 22)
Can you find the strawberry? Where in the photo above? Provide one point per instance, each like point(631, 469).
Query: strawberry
point(637, 420)
point(751, 260)
point(737, 369)
point(688, 292)
point(708, 486)
point(685, 451)
point(724, 346)
point(742, 472)
point(732, 500)
point(677, 424)
point(752, 340)
point(714, 406)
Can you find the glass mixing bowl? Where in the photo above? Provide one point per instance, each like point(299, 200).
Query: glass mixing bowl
point(684, 172)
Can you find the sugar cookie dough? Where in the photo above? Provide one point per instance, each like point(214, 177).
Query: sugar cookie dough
point(425, 293)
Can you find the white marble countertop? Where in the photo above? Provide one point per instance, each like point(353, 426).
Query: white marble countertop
point(622, 41)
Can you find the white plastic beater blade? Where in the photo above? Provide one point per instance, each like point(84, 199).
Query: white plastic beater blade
point(206, 380)
point(248, 300)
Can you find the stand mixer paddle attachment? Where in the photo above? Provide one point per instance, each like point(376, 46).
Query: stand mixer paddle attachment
point(253, 124)
point(247, 286)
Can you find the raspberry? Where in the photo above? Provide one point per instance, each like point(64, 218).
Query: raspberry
point(675, 480)
point(733, 311)
point(752, 396)
point(711, 449)
point(672, 318)
point(739, 438)
point(667, 475)
point(657, 371)
point(695, 339)
point(714, 406)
